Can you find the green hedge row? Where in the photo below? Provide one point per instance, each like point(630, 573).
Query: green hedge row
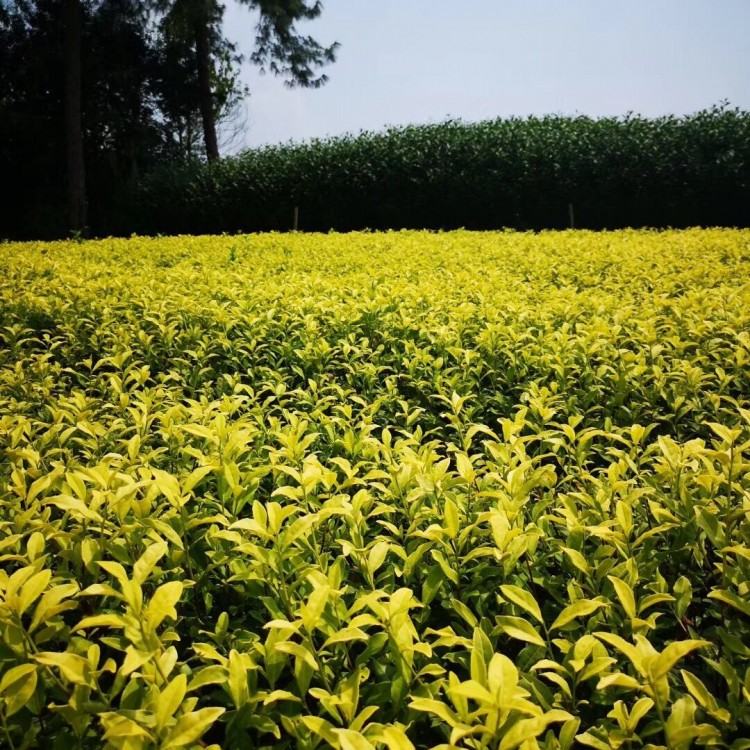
point(520, 173)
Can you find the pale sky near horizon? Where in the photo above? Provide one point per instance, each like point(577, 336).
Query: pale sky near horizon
point(422, 61)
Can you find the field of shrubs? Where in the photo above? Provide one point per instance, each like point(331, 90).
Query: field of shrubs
point(372, 491)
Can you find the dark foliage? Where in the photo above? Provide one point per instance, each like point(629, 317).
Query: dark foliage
point(122, 133)
point(520, 173)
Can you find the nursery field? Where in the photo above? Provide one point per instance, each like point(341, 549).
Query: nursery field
point(482, 491)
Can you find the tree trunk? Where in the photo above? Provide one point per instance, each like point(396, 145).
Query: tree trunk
point(77, 208)
point(205, 95)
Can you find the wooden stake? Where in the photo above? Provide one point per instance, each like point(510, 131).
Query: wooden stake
point(571, 217)
point(295, 225)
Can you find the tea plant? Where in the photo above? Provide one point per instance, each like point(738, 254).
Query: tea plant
point(629, 171)
point(398, 490)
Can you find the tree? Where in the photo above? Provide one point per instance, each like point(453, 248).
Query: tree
point(94, 92)
point(279, 48)
point(77, 205)
point(65, 128)
point(181, 86)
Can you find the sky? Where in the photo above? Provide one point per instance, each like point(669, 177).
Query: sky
point(423, 61)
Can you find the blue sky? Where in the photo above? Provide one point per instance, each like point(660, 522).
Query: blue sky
point(420, 61)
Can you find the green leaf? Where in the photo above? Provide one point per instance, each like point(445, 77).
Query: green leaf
point(581, 608)
point(313, 609)
point(33, 589)
point(527, 729)
point(212, 675)
point(122, 731)
point(578, 560)
point(699, 691)
point(464, 466)
point(445, 566)
point(618, 680)
point(683, 596)
point(297, 650)
point(100, 621)
point(478, 662)
point(280, 695)
point(237, 679)
point(568, 733)
point(708, 521)
point(346, 636)
point(432, 583)
point(591, 740)
point(670, 450)
point(169, 700)
point(169, 486)
point(17, 686)
point(639, 711)
point(522, 599)
point(465, 613)
point(662, 663)
point(322, 728)
point(625, 595)
point(351, 740)
point(727, 434)
point(376, 556)
point(191, 727)
point(730, 598)
point(451, 519)
point(196, 475)
point(147, 561)
point(134, 659)
point(436, 708)
point(163, 603)
point(517, 627)
point(475, 691)
point(395, 738)
point(651, 600)
point(632, 652)
point(52, 603)
point(624, 515)
point(502, 679)
point(74, 668)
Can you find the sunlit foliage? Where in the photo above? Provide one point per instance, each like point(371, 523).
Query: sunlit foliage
point(460, 490)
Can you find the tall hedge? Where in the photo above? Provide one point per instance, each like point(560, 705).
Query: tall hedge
point(520, 173)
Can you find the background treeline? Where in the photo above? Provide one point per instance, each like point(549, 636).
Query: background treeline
point(113, 114)
point(138, 107)
point(94, 94)
point(520, 173)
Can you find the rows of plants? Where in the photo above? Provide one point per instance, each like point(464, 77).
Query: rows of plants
point(522, 173)
point(400, 490)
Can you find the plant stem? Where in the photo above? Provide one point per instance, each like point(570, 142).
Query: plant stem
point(7, 734)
